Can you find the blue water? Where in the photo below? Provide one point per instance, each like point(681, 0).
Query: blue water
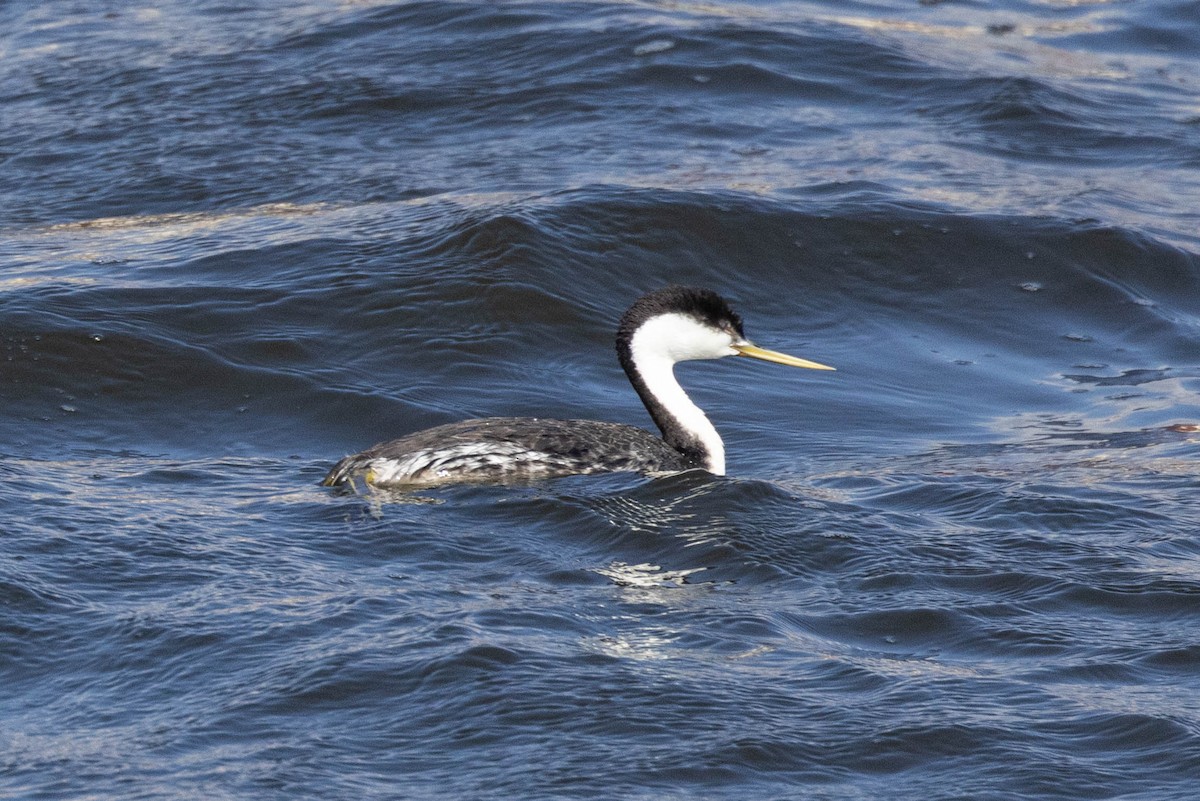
point(239, 241)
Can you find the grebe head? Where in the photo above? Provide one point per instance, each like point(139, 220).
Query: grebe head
point(679, 323)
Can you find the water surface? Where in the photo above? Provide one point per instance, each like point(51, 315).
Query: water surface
point(240, 241)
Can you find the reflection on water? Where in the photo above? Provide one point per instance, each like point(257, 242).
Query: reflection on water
point(644, 576)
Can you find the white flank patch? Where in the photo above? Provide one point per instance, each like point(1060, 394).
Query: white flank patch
point(453, 460)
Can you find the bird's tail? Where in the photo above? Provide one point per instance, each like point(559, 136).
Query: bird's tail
point(341, 472)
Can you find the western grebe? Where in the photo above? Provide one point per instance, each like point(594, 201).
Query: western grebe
point(669, 325)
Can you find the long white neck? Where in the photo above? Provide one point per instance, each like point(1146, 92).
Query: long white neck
point(653, 353)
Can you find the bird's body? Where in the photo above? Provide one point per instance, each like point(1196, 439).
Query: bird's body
point(507, 448)
point(671, 325)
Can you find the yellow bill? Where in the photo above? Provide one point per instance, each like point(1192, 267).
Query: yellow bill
point(753, 351)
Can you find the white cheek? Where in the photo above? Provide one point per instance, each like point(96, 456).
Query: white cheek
point(680, 338)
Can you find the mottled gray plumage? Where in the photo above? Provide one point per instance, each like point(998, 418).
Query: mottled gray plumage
point(500, 448)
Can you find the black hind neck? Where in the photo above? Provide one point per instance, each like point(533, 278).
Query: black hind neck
point(674, 433)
